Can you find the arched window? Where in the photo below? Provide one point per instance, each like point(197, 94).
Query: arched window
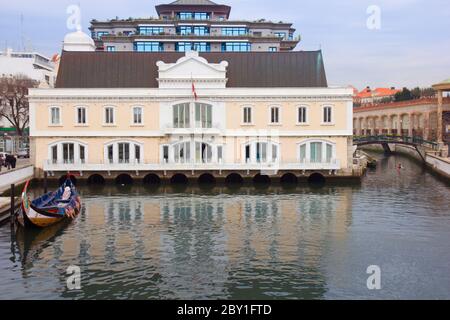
point(124, 152)
point(67, 152)
point(317, 151)
point(261, 152)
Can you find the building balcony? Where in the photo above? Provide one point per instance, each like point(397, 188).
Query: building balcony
point(138, 166)
point(214, 129)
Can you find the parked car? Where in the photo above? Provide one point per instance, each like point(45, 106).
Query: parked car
point(23, 153)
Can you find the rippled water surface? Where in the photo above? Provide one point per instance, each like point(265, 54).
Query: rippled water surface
point(273, 243)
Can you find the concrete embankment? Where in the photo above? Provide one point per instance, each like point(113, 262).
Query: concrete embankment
point(439, 165)
point(15, 176)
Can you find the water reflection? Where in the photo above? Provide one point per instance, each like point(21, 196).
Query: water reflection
point(194, 243)
point(155, 243)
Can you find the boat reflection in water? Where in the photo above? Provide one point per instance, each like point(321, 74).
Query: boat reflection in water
point(244, 243)
point(136, 242)
point(31, 242)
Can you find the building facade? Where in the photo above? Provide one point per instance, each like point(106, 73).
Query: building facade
point(413, 118)
point(162, 115)
point(30, 65)
point(186, 25)
point(375, 96)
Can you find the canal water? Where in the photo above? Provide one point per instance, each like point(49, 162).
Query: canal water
point(277, 242)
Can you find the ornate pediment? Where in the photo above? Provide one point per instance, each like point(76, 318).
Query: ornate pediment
point(190, 68)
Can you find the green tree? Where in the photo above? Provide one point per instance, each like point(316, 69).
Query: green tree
point(403, 95)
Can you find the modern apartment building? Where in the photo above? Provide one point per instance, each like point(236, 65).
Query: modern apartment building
point(200, 25)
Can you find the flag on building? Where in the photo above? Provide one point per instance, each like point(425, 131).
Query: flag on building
point(193, 91)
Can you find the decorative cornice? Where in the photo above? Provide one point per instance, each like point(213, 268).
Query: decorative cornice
point(300, 98)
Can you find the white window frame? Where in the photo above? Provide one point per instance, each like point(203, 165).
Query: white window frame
point(50, 118)
point(306, 107)
point(252, 116)
point(78, 124)
point(59, 151)
point(278, 123)
point(115, 145)
point(133, 124)
point(269, 151)
point(324, 149)
point(105, 124)
point(332, 122)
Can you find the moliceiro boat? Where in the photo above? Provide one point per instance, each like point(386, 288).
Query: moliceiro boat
point(50, 208)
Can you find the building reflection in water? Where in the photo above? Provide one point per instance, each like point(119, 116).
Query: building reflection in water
point(187, 245)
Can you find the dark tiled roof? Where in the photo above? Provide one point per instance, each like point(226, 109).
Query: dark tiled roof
point(139, 70)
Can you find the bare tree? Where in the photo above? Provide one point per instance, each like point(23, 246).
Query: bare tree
point(14, 105)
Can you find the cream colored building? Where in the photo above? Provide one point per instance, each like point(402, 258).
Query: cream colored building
point(136, 114)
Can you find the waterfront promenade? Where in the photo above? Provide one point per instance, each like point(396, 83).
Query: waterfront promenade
point(23, 171)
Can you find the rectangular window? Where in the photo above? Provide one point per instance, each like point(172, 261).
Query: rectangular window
point(193, 16)
point(302, 115)
point(137, 115)
point(82, 154)
point(220, 154)
point(236, 47)
point(166, 154)
point(68, 152)
point(329, 154)
point(303, 153)
point(247, 153)
point(203, 115)
point(148, 31)
point(281, 35)
point(273, 49)
point(316, 152)
point(195, 46)
point(247, 115)
point(142, 46)
point(101, 34)
point(327, 113)
point(124, 152)
point(81, 115)
point(55, 154)
point(110, 48)
point(109, 115)
point(111, 154)
point(181, 116)
point(274, 153)
point(55, 115)
point(261, 152)
point(137, 153)
point(234, 31)
point(275, 115)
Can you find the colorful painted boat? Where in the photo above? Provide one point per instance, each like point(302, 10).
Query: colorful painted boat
point(50, 208)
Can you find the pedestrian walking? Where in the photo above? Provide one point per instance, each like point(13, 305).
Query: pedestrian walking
point(13, 161)
point(8, 162)
point(2, 162)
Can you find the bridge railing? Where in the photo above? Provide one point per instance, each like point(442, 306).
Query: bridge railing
point(397, 138)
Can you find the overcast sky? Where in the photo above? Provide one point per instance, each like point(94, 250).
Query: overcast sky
point(412, 47)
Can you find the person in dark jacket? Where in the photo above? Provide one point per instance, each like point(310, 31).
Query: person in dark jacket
point(13, 161)
point(8, 162)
